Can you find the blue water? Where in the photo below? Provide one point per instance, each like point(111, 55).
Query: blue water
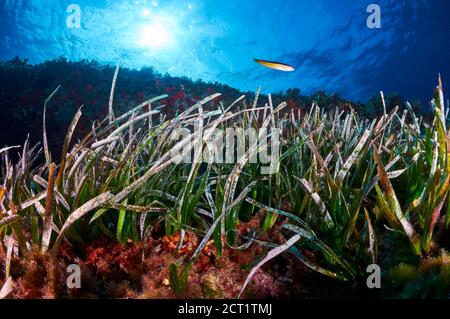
point(327, 41)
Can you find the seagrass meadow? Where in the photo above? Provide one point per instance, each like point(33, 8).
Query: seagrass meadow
point(347, 192)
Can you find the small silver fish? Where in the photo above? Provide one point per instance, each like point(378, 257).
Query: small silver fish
point(275, 65)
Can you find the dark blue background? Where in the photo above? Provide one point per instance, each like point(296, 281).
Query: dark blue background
point(327, 41)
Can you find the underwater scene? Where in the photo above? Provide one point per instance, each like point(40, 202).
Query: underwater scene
point(224, 149)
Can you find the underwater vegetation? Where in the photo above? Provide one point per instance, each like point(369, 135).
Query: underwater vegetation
point(24, 88)
point(348, 191)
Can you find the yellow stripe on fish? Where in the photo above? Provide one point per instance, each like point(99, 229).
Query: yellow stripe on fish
point(276, 65)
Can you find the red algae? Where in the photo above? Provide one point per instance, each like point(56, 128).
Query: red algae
point(111, 270)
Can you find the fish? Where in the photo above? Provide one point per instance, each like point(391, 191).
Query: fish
point(275, 65)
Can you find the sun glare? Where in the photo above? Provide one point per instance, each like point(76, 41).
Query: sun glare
point(154, 35)
point(146, 12)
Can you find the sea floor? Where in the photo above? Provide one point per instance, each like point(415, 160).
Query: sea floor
point(141, 270)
